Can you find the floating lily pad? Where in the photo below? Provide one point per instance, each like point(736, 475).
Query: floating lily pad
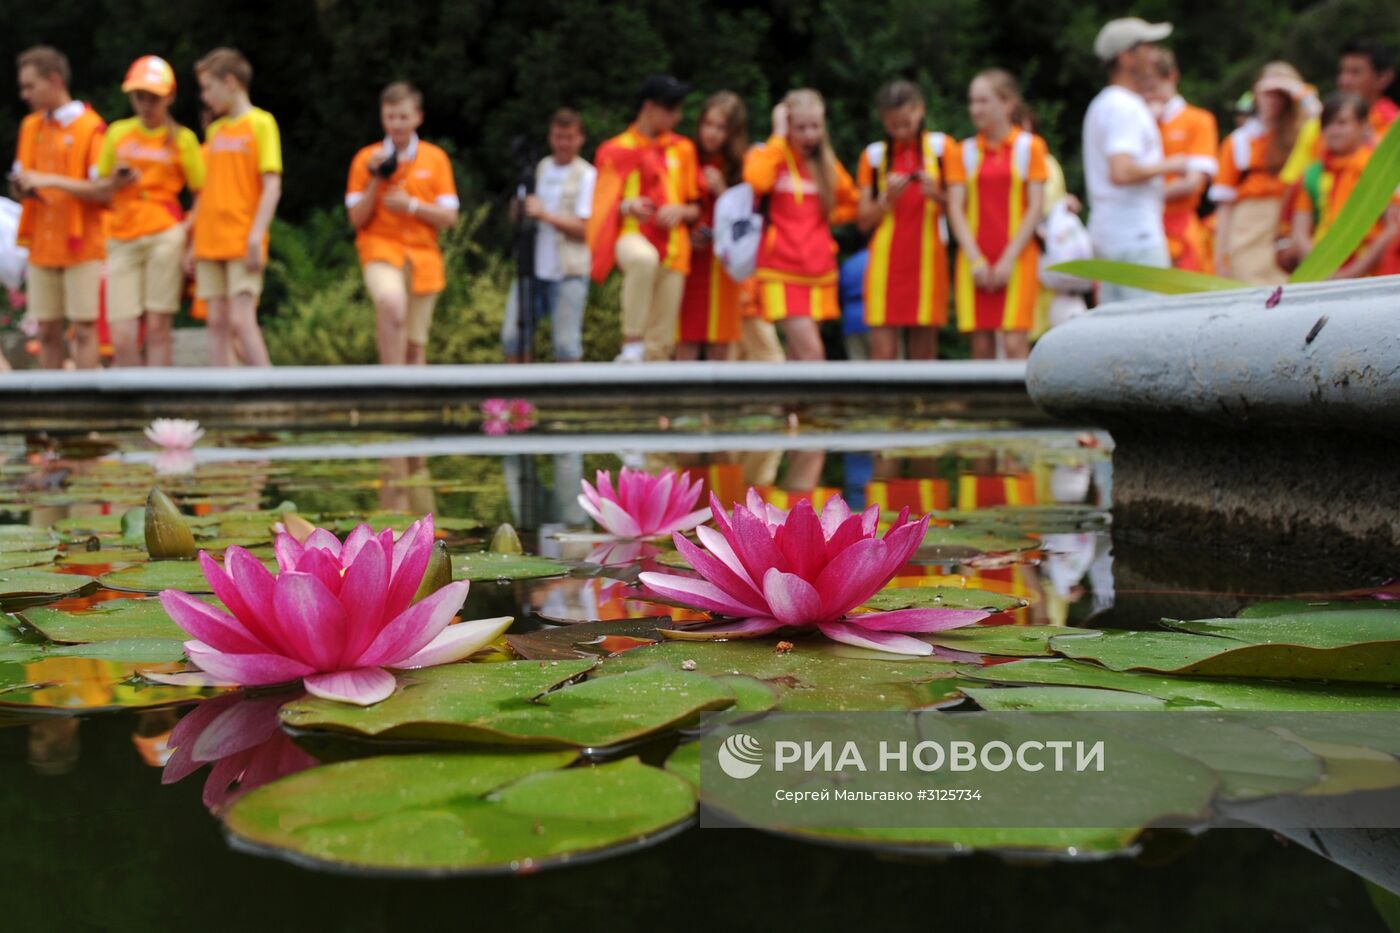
point(583, 639)
point(158, 575)
point(685, 761)
point(673, 559)
point(506, 703)
point(1359, 646)
point(1289, 607)
point(114, 555)
point(21, 588)
point(1040, 842)
point(942, 597)
point(145, 651)
point(485, 565)
point(1192, 692)
point(25, 538)
point(84, 525)
point(942, 544)
point(117, 619)
point(810, 677)
point(456, 814)
point(1013, 641)
point(1060, 699)
point(14, 560)
point(88, 685)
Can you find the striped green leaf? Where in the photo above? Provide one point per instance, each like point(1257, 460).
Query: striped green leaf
point(1367, 202)
point(1147, 278)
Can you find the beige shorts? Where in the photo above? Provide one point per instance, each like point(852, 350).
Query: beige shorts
point(385, 281)
point(69, 292)
point(145, 274)
point(223, 278)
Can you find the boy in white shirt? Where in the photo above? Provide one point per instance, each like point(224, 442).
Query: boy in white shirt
point(560, 207)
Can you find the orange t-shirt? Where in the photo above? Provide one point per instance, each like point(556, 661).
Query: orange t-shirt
point(1243, 174)
point(424, 172)
point(150, 204)
point(238, 152)
point(59, 229)
point(1190, 131)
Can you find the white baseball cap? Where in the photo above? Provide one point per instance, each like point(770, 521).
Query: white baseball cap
point(1119, 35)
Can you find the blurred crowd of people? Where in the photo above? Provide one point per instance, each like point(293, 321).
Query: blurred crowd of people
point(724, 247)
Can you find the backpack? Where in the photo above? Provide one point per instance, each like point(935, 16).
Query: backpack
point(738, 231)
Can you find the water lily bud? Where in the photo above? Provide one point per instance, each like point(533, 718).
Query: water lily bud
point(438, 574)
point(296, 526)
point(505, 541)
point(168, 537)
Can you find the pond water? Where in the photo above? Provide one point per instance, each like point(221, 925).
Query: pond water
point(106, 827)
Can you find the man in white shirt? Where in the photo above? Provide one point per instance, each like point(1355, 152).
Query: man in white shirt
point(1123, 160)
point(560, 207)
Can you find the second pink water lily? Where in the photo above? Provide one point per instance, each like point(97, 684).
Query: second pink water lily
point(642, 505)
point(772, 570)
point(336, 616)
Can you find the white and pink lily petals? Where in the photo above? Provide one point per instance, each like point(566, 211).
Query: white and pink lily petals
point(642, 505)
point(337, 616)
point(174, 433)
point(774, 569)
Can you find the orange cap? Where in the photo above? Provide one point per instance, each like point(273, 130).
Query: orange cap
point(150, 73)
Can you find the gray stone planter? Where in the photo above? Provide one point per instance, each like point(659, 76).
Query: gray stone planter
point(1263, 429)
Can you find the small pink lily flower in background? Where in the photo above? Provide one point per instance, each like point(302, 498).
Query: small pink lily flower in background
point(495, 427)
point(174, 462)
point(522, 408)
point(495, 408)
point(174, 433)
point(772, 570)
point(642, 505)
point(242, 738)
point(335, 617)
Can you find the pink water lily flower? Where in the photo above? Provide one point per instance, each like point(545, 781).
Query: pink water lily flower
point(334, 617)
point(174, 433)
point(495, 408)
point(643, 505)
point(772, 569)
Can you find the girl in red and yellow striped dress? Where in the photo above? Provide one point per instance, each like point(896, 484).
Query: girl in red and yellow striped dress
point(807, 192)
point(996, 190)
point(710, 306)
point(901, 190)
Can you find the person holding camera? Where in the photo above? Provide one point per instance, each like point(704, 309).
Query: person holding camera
point(147, 160)
point(901, 194)
point(559, 208)
point(647, 197)
point(400, 196)
point(61, 208)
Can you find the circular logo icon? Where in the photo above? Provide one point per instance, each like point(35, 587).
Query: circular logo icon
point(740, 756)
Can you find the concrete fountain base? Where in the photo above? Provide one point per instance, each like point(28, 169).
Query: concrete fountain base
point(1269, 431)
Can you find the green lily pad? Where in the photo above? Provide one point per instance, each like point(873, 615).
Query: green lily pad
point(1343, 645)
point(157, 575)
point(943, 543)
point(88, 685)
point(14, 560)
point(685, 761)
point(145, 651)
point(813, 676)
point(1289, 607)
point(507, 703)
point(455, 814)
point(115, 620)
point(1012, 641)
point(673, 559)
point(942, 597)
point(583, 639)
point(25, 538)
point(485, 565)
point(115, 555)
point(81, 526)
point(1060, 699)
point(1192, 692)
point(21, 588)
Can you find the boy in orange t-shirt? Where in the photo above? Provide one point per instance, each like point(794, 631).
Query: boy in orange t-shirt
point(61, 219)
point(398, 209)
point(243, 182)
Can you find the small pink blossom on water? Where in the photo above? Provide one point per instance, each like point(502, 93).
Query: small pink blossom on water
point(174, 433)
point(642, 505)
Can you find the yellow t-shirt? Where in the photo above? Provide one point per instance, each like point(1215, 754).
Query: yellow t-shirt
point(152, 203)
